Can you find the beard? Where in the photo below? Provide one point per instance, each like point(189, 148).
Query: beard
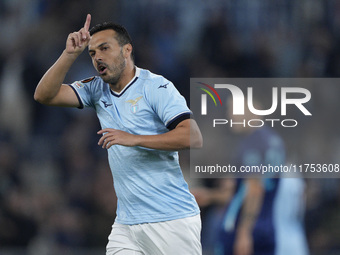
point(116, 71)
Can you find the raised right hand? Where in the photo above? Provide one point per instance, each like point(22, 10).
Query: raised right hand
point(77, 41)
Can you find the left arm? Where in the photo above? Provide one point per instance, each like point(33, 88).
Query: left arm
point(252, 206)
point(184, 136)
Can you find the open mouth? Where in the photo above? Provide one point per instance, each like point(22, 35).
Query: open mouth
point(101, 69)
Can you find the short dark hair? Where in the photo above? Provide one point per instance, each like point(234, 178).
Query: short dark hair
point(122, 35)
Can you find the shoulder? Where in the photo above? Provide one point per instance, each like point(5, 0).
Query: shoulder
point(93, 82)
point(272, 138)
point(152, 80)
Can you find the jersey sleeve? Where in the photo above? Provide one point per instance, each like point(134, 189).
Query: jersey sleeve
point(167, 103)
point(83, 90)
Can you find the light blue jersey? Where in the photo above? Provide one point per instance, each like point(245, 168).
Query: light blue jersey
point(149, 183)
point(288, 216)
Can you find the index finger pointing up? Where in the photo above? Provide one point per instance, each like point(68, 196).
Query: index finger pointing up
point(87, 22)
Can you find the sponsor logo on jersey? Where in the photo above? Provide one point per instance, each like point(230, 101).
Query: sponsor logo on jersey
point(163, 86)
point(106, 104)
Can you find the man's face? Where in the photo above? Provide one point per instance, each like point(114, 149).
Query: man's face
point(107, 56)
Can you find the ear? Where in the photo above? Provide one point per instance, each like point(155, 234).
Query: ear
point(127, 49)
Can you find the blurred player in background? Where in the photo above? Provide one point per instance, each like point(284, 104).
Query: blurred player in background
point(289, 211)
point(247, 226)
point(144, 121)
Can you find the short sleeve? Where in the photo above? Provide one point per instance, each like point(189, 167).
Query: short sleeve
point(167, 103)
point(83, 91)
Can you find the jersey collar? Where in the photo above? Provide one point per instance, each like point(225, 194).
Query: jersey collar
point(133, 80)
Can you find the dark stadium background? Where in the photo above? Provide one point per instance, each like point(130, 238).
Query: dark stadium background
point(56, 193)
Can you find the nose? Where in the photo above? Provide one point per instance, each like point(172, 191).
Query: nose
point(95, 55)
point(98, 57)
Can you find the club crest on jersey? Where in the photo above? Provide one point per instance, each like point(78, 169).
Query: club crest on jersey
point(134, 104)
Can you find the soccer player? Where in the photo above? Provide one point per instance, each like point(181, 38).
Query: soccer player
point(144, 121)
point(248, 223)
point(289, 214)
point(247, 226)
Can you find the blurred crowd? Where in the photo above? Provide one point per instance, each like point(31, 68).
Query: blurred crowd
point(56, 193)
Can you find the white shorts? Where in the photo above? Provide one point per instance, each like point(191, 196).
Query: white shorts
point(182, 237)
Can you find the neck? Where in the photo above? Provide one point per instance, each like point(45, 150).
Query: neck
point(125, 78)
